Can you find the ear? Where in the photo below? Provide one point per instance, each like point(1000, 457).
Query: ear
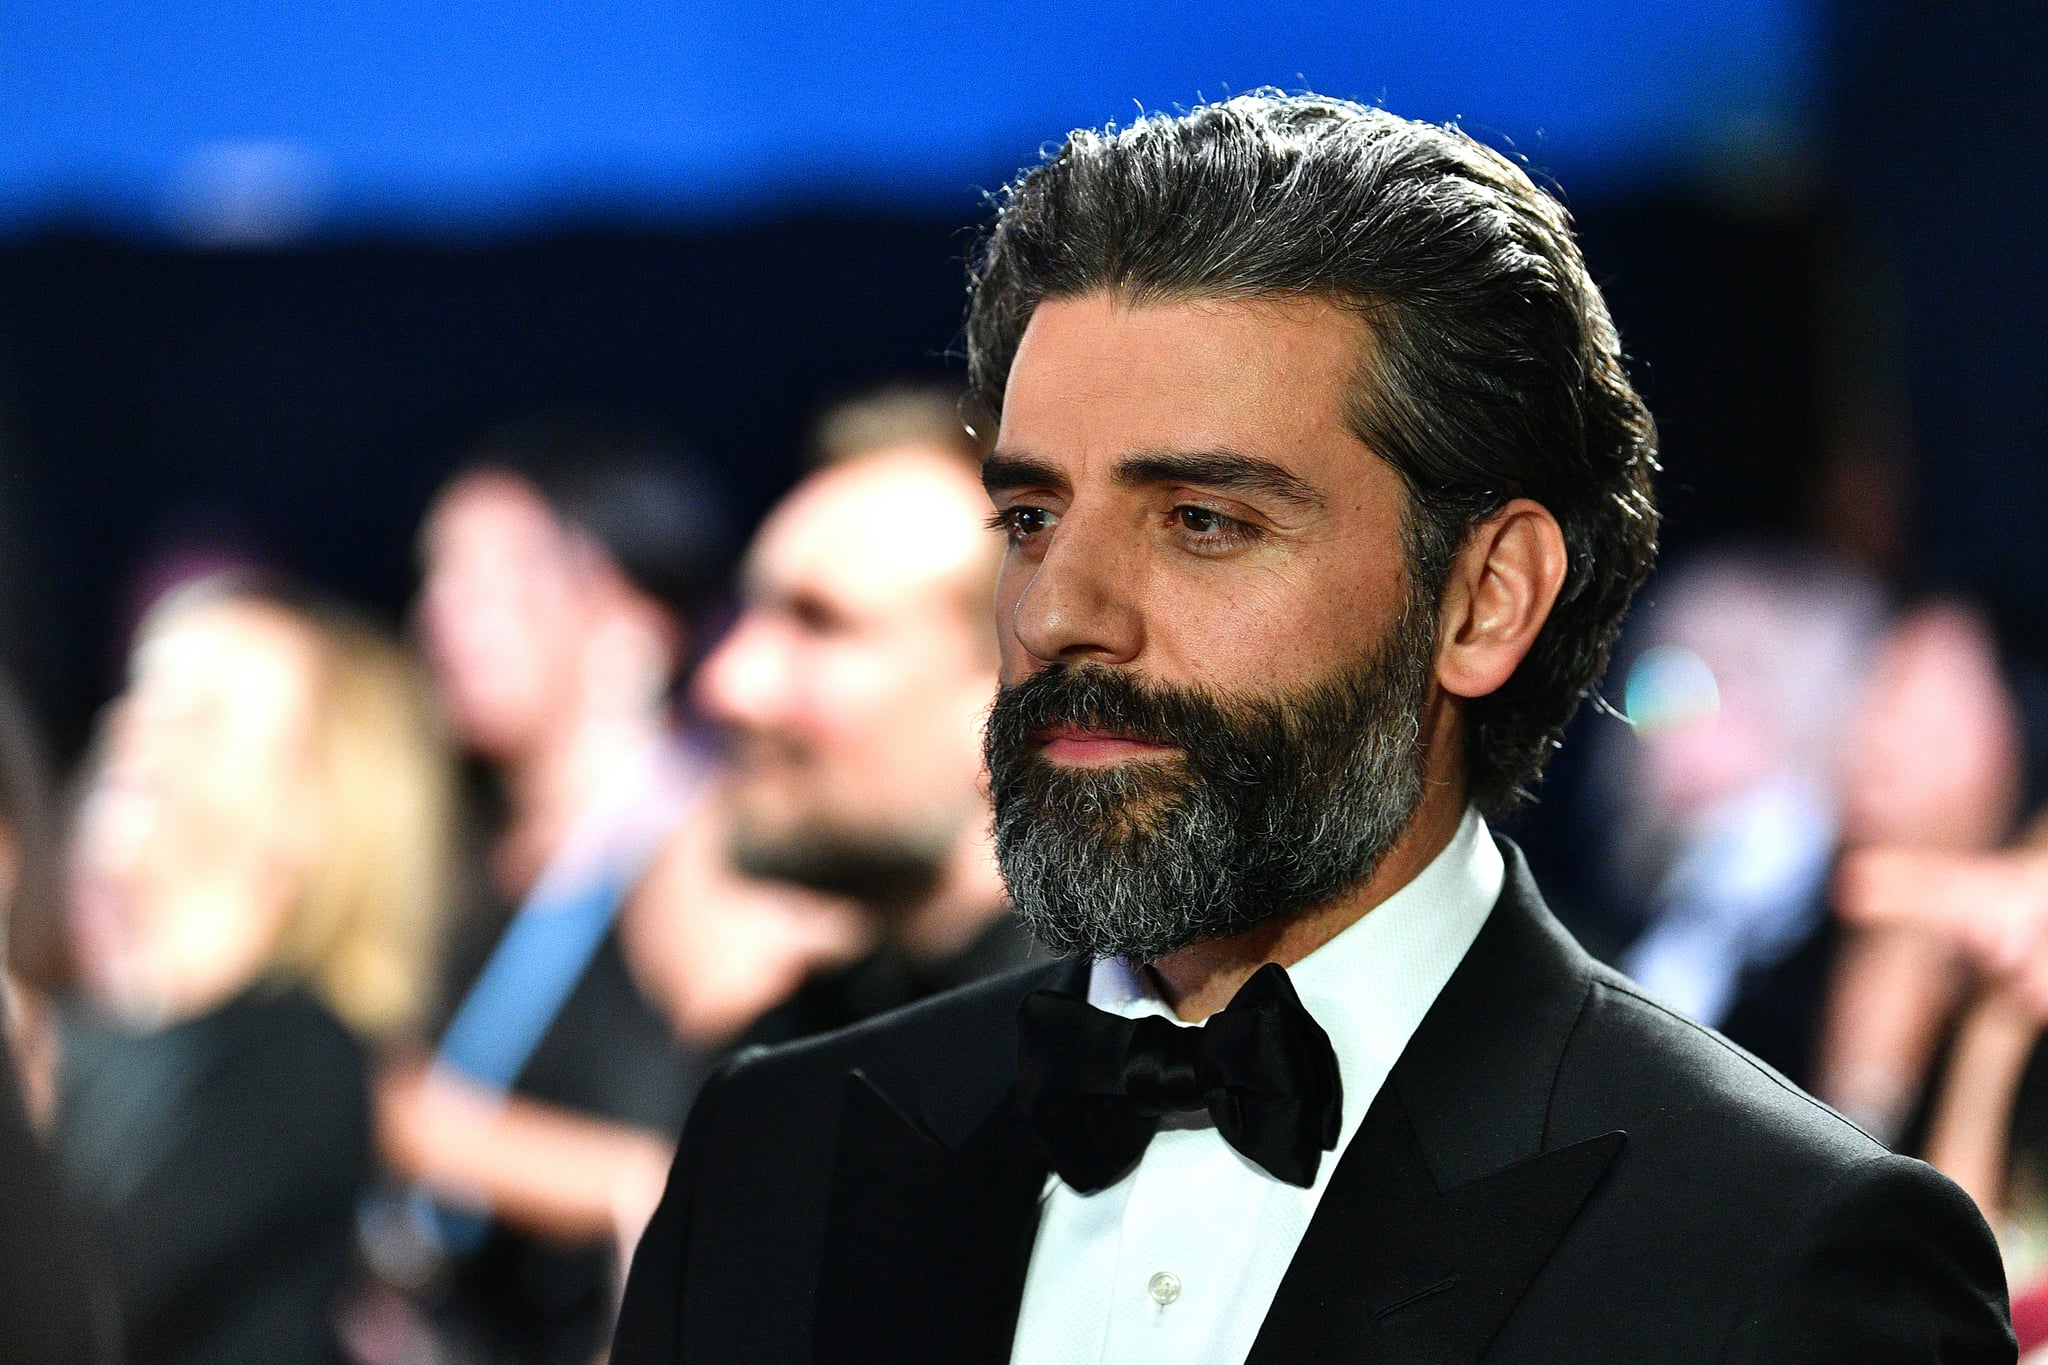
point(1501, 588)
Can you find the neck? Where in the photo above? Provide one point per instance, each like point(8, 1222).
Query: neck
point(1201, 979)
point(967, 897)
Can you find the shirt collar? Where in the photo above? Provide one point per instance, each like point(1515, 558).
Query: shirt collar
point(1370, 986)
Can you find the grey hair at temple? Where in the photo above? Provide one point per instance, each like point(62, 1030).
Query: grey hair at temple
point(1491, 370)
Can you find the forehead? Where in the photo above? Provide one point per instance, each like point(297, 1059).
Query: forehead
point(488, 507)
point(244, 647)
point(877, 534)
point(1102, 373)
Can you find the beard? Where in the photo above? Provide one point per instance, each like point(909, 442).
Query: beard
point(1272, 806)
point(861, 854)
point(883, 870)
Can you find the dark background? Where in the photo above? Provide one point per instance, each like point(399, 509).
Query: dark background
point(1845, 344)
point(305, 403)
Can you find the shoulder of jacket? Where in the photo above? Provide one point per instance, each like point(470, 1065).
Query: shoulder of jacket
point(967, 1026)
point(1676, 1065)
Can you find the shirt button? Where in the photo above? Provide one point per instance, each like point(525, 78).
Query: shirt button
point(1164, 1288)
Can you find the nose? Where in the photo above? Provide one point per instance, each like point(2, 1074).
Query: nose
point(1079, 601)
point(745, 680)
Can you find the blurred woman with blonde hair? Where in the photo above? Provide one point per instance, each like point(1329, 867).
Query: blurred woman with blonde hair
point(257, 869)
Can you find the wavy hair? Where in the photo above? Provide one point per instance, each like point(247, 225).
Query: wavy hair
point(1493, 370)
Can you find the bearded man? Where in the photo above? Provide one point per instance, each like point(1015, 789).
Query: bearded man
point(1324, 492)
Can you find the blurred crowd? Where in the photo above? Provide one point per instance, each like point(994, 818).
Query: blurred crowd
point(1820, 824)
point(359, 979)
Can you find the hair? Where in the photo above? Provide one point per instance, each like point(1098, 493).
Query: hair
point(1492, 369)
point(898, 415)
point(653, 509)
point(362, 929)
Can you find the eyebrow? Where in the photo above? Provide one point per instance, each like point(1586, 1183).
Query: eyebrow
point(1006, 473)
point(1220, 469)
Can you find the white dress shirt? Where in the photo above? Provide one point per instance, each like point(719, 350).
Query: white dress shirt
point(1179, 1261)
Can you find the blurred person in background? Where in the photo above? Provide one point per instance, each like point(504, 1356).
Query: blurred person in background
point(1987, 1121)
point(1934, 767)
point(615, 954)
point(1960, 918)
point(852, 689)
point(1723, 796)
point(33, 937)
point(1987, 1124)
point(52, 1310)
point(257, 868)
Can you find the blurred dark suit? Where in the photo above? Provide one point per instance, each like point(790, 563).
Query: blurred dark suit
point(220, 1161)
point(885, 980)
point(51, 1313)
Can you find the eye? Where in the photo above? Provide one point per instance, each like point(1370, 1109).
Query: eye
point(1208, 531)
point(1021, 522)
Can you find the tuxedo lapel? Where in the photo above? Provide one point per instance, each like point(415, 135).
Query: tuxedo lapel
point(929, 1232)
point(1448, 1201)
point(1395, 1271)
point(1377, 1247)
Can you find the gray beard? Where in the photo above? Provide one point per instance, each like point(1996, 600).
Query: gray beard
point(1279, 804)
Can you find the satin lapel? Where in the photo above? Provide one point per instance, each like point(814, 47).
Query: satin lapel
point(1378, 1244)
point(1449, 1200)
point(926, 1248)
point(1395, 1271)
point(929, 1232)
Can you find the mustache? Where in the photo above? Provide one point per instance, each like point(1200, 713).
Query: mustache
point(1095, 697)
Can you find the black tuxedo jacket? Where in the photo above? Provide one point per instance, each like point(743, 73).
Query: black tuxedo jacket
point(1557, 1170)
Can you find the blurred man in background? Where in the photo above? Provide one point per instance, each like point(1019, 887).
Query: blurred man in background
point(564, 573)
point(853, 686)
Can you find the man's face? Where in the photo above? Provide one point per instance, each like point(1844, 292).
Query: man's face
point(504, 609)
point(855, 679)
point(1213, 670)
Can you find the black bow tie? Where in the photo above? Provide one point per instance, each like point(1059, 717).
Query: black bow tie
point(1094, 1085)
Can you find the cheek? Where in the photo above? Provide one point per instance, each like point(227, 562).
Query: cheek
point(898, 710)
point(496, 649)
point(1013, 660)
point(1245, 631)
point(834, 702)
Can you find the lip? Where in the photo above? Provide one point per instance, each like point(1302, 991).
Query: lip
point(1079, 746)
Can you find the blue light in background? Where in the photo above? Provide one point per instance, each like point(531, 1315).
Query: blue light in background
point(236, 117)
point(1670, 686)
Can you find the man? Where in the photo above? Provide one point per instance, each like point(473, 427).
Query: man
point(853, 687)
point(564, 568)
point(1324, 491)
